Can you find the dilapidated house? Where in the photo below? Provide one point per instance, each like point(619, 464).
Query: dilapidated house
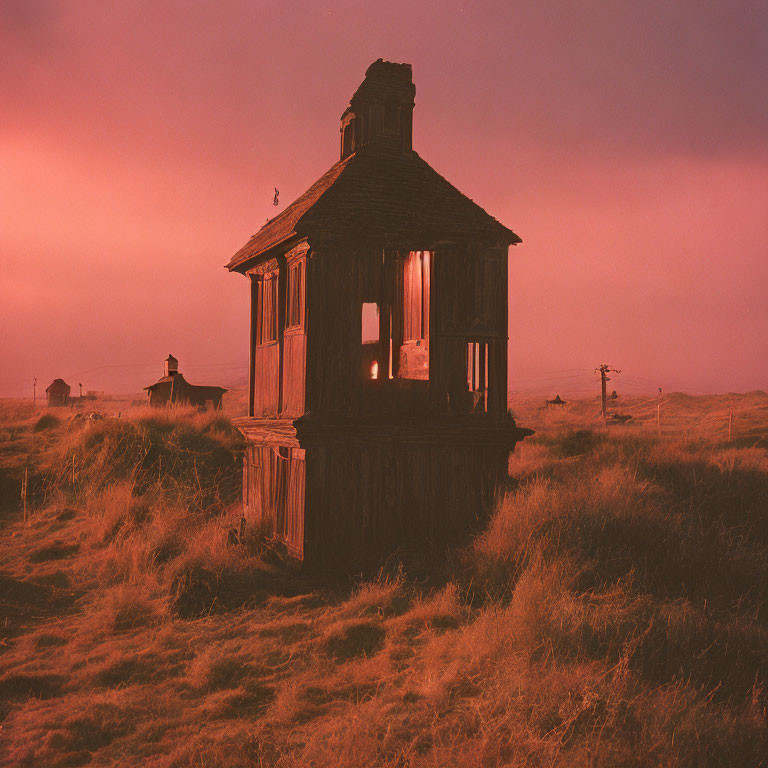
point(174, 389)
point(378, 348)
point(57, 392)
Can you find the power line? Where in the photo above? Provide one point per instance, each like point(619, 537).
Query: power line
point(154, 365)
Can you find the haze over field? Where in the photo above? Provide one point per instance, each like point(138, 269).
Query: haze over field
point(627, 144)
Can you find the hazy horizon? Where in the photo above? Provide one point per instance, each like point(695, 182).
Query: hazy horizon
point(627, 144)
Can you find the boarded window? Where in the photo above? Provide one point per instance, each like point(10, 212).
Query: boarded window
point(267, 315)
point(296, 294)
point(477, 375)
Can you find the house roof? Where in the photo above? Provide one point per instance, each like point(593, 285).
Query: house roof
point(58, 385)
point(374, 195)
point(283, 226)
point(166, 379)
point(181, 382)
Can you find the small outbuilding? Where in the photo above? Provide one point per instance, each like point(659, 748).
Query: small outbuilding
point(58, 392)
point(174, 389)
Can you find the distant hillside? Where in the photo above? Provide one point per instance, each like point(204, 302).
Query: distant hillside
point(703, 417)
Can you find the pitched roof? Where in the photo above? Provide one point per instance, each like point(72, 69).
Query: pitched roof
point(396, 199)
point(283, 226)
point(165, 379)
point(58, 385)
point(182, 383)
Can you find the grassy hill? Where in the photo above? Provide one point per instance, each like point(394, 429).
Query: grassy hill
point(611, 613)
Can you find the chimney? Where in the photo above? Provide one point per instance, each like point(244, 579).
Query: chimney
point(381, 110)
point(171, 366)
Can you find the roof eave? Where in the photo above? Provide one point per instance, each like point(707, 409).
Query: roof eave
point(250, 260)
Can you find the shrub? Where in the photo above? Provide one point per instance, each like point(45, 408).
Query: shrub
point(198, 588)
point(21, 686)
point(46, 421)
point(354, 638)
point(57, 550)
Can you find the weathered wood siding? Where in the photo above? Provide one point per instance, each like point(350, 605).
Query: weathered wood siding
point(294, 339)
point(466, 302)
point(274, 490)
point(294, 372)
point(347, 468)
point(469, 304)
point(334, 332)
point(293, 518)
point(266, 379)
point(365, 502)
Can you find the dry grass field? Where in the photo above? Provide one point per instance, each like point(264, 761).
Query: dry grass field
point(612, 613)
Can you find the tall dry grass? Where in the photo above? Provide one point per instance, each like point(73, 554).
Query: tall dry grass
point(612, 613)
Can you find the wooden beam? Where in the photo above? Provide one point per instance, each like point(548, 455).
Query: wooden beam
point(252, 349)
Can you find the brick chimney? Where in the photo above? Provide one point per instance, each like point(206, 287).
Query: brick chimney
point(381, 110)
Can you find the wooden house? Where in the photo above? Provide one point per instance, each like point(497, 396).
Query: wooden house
point(174, 389)
point(378, 348)
point(57, 392)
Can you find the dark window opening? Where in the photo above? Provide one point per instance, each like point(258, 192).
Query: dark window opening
point(477, 375)
point(370, 339)
point(296, 295)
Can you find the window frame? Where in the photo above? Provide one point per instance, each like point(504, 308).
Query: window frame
point(478, 371)
point(267, 314)
point(423, 259)
point(296, 295)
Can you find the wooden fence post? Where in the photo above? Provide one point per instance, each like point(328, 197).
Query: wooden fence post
point(24, 491)
point(730, 424)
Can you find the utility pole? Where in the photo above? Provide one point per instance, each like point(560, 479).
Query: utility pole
point(34, 391)
point(81, 392)
point(604, 370)
point(658, 411)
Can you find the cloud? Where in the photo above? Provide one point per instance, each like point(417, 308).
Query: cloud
point(626, 142)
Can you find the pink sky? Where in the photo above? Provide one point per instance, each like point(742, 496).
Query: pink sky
point(626, 143)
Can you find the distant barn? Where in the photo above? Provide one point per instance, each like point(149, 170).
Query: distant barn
point(174, 389)
point(58, 392)
point(378, 367)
